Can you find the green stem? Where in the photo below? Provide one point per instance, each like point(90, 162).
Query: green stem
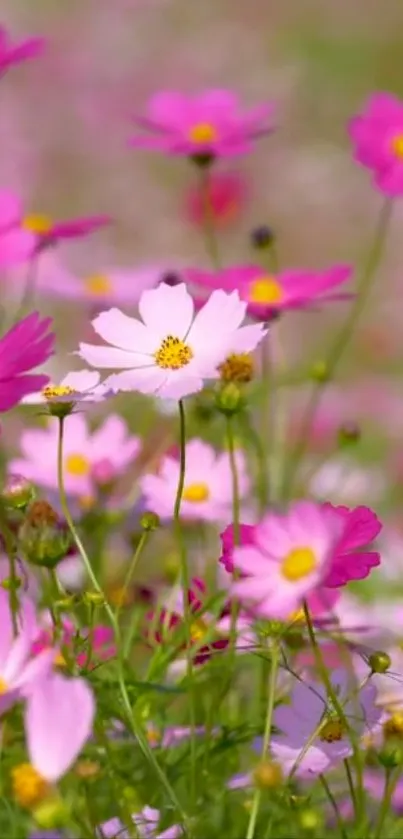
point(350, 781)
point(132, 568)
point(208, 219)
point(335, 808)
point(390, 783)
point(185, 581)
point(237, 535)
point(275, 658)
point(10, 550)
point(340, 343)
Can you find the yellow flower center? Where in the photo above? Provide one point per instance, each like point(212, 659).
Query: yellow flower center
point(265, 290)
point(29, 788)
point(203, 133)
point(59, 660)
point(397, 145)
point(393, 727)
point(332, 731)
point(298, 564)
point(98, 284)
point(198, 630)
point(196, 493)
point(87, 768)
point(173, 354)
point(153, 735)
point(53, 391)
point(38, 223)
point(3, 686)
point(77, 465)
point(237, 368)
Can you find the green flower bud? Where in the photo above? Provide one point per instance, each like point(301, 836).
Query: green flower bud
point(348, 434)
point(391, 755)
point(43, 537)
point(229, 399)
point(310, 820)
point(149, 521)
point(320, 372)
point(51, 815)
point(17, 493)
point(379, 662)
point(262, 237)
point(94, 598)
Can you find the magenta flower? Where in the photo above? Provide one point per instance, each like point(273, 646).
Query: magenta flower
point(377, 136)
point(206, 126)
point(16, 244)
point(11, 54)
point(267, 294)
point(228, 195)
point(58, 722)
point(47, 232)
point(310, 707)
point(25, 346)
point(349, 561)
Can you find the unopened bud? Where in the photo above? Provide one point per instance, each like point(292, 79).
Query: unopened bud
point(348, 434)
point(94, 598)
point(379, 662)
point(43, 537)
point(11, 583)
point(268, 775)
point(51, 815)
point(262, 237)
point(17, 492)
point(391, 755)
point(171, 567)
point(149, 521)
point(171, 278)
point(229, 399)
point(310, 820)
point(320, 372)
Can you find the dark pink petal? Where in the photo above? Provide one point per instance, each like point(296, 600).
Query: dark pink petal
point(227, 542)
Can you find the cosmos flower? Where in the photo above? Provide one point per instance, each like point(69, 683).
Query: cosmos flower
point(12, 54)
point(227, 197)
point(88, 455)
point(146, 821)
point(206, 126)
point(25, 346)
point(360, 526)
point(310, 707)
point(377, 137)
point(76, 387)
point(170, 351)
point(267, 294)
point(16, 244)
point(207, 494)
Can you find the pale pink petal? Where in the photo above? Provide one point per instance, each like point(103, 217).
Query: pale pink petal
point(167, 310)
point(110, 357)
point(124, 332)
point(144, 380)
point(216, 321)
point(81, 380)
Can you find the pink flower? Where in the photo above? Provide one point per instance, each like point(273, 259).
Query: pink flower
point(48, 232)
point(207, 494)
point(170, 351)
point(76, 387)
point(19, 671)
point(23, 347)
point(289, 558)
point(206, 126)
point(377, 136)
point(146, 821)
point(350, 562)
point(227, 196)
point(77, 642)
point(16, 244)
point(11, 54)
point(58, 722)
point(267, 294)
point(83, 452)
point(294, 747)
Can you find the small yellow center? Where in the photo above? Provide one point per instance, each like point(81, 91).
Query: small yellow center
point(203, 133)
point(77, 465)
point(87, 768)
point(196, 493)
point(332, 731)
point(298, 564)
point(54, 391)
point(98, 284)
point(237, 368)
point(198, 630)
point(153, 735)
point(59, 660)
point(29, 788)
point(173, 354)
point(265, 290)
point(38, 223)
point(3, 686)
point(397, 145)
point(393, 727)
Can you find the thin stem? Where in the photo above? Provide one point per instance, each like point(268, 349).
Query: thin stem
point(208, 219)
point(235, 481)
point(350, 781)
point(389, 788)
point(340, 343)
point(10, 550)
point(132, 568)
point(275, 658)
point(185, 581)
point(267, 423)
point(334, 805)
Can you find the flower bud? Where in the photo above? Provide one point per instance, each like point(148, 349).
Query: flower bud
point(51, 815)
point(17, 492)
point(149, 521)
point(310, 820)
point(237, 368)
point(229, 399)
point(94, 598)
point(379, 662)
point(348, 434)
point(171, 278)
point(268, 775)
point(320, 372)
point(11, 583)
point(262, 237)
point(391, 755)
point(44, 538)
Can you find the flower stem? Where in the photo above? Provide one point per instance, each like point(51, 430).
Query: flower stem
point(275, 657)
point(10, 550)
point(340, 343)
point(132, 568)
point(334, 805)
point(390, 783)
point(235, 481)
point(208, 219)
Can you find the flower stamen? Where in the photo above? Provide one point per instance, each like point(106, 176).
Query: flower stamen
point(173, 353)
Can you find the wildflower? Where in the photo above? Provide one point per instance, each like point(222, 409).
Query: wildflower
point(25, 346)
point(377, 137)
point(309, 709)
point(147, 824)
point(226, 195)
point(210, 125)
point(168, 352)
point(207, 493)
point(16, 244)
point(11, 54)
point(349, 562)
point(48, 232)
point(83, 452)
point(289, 557)
point(81, 386)
point(268, 294)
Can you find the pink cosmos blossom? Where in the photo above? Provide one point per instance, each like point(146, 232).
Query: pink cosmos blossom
point(58, 722)
point(267, 294)
point(206, 126)
point(76, 387)
point(309, 706)
point(19, 671)
point(11, 54)
point(25, 346)
point(350, 562)
point(146, 821)
point(227, 197)
point(170, 352)
point(110, 448)
point(289, 558)
point(16, 244)
point(377, 137)
point(77, 642)
point(207, 494)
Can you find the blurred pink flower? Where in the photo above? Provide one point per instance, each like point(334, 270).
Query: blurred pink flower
point(206, 126)
point(377, 137)
point(25, 346)
point(207, 493)
point(170, 352)
point(77, 642)
point(47, 232)
point(58, 722)
point(11, 54)
point(82, 451)
point(76, 387)
point(288, 559)
point(349, 561)
point(227, 195)
point(267, 294)
point(16, 244)
point(146, 822)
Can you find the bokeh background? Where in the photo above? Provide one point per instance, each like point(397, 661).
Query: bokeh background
point(64, 127)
